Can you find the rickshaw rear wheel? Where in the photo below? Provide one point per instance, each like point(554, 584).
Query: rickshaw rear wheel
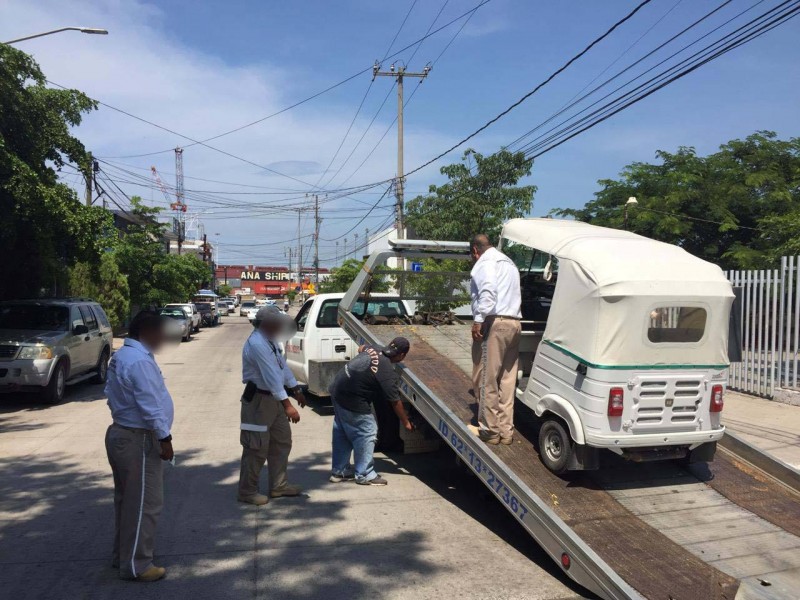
point(555, 446)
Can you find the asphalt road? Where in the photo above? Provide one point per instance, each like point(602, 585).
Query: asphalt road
point(433, 532)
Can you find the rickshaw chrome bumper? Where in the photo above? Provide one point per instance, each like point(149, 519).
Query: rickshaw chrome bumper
point(617, 443)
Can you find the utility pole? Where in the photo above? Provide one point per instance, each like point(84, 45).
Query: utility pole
point(355, 245)
point(179, 206)
point(399, 73)
point(317, 222)
point(366, 240)
point(337, 253)
point(344, 252)
point(91, 169)
point(289, 252)
point(299, 253)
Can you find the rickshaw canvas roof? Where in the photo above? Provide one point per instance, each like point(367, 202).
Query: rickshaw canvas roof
point(609, 281)
point(620, 262)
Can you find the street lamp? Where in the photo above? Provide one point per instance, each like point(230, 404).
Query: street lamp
point(92, 30)
point(632, 201)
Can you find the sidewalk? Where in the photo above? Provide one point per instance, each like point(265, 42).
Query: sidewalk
point(771, 426)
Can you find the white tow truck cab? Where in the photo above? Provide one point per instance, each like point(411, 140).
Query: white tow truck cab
point(624, 344)
point(320, 348)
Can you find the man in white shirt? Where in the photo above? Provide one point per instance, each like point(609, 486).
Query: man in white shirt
point(496, 301)
point(137, 443)
point(266, 409)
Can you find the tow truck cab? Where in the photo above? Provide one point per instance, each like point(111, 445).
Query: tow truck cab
point(320, 348)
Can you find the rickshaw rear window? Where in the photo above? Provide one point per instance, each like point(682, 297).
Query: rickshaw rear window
point(676, 324)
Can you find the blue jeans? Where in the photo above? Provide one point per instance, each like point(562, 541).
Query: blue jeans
point(356, 434)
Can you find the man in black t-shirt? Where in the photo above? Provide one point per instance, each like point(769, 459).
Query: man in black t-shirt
point(369, 377)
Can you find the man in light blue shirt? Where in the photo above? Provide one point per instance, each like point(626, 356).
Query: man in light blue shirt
point(266, 409)
point(137, 443)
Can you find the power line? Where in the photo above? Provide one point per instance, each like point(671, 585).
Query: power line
point(294, 105)
point(652, 85)
point(574, 102)
point(552, 76)
point(405, 103)
point(363, 99)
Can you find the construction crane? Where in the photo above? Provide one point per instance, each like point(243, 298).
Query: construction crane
point(177, 204)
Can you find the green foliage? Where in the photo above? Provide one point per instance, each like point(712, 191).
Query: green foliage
point(224, 290)
point(343, 276)
point(104, 283)
point(439, 292)
point(43, 224)
point(480, 195)
point(738, 207)
point(291, 295)
point(139, 250)
point(176, 278)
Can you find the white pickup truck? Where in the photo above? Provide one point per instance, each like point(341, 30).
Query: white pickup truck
point(320, 348)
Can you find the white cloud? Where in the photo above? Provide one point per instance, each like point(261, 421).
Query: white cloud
point(141, 68)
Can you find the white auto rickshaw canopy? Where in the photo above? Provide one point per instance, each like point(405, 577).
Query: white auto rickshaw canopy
point(612, 284)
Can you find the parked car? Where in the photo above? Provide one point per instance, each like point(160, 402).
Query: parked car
point(45, 344)
point(208, 314)
point(245, 306)
point(190, 309)
point(223, 309)
point(252, 311)
point(179, 325)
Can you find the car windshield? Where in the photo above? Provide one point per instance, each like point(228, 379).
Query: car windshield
point(33, 316)
point(174, 313)
point(248, 304)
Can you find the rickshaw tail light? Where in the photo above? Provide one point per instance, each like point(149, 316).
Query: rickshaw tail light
point(615, 396)
point(717, 402)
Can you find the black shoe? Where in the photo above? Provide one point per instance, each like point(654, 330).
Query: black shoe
point(334, 478)
point(375, 481)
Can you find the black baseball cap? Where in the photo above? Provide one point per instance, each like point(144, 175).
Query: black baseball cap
point(397, 346)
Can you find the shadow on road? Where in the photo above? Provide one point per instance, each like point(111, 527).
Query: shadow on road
point(56, 526)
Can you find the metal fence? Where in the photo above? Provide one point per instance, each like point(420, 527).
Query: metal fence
point(768, 305)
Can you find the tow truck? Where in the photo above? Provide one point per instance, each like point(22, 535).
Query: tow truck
point(628, 530)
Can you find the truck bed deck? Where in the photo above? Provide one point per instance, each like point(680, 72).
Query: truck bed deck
point(667, 531)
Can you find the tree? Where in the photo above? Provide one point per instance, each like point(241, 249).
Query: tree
point(176, 278)
point(342, 277)
point(43, 224)
point(224, 290)
point(103, 283)
point(738, 207)
point(481, 194)
point(139, 249)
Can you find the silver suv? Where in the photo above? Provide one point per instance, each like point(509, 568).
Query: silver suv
point(46, 343)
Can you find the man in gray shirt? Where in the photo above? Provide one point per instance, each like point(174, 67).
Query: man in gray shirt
point(369, 377)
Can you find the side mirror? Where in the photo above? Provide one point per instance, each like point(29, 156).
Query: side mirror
point(80, 330)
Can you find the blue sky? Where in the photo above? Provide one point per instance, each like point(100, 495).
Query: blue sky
point(201, 68)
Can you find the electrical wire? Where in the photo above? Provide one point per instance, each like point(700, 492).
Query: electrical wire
point(574, 102)
point(294, 105)
point(653, 85)
point(552, 76)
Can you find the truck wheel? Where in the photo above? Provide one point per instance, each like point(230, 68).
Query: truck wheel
point(555, 446)
point(101, 372)
point(53, 392)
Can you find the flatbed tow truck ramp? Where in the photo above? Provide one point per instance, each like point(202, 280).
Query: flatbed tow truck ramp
point(728, 529)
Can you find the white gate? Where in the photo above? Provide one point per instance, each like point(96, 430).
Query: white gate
point(769, 315)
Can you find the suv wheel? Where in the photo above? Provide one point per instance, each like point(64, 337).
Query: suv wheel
point(101, 372)
point(53, 392)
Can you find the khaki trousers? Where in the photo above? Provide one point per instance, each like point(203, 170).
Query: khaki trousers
point(494, 375)
point(134, 456)
point(270, 443)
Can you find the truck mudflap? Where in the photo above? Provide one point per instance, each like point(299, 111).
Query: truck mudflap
point(321, 374)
